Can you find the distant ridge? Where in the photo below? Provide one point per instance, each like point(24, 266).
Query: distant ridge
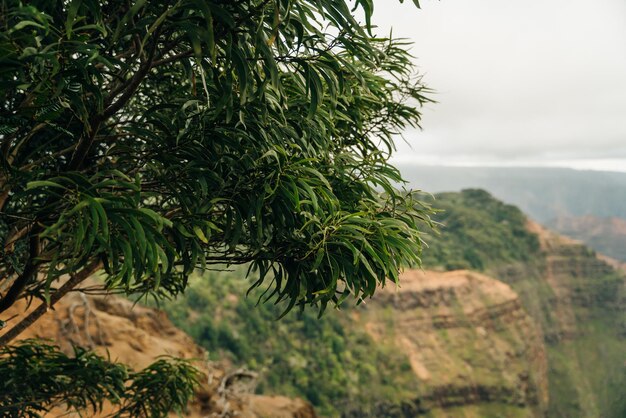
point(543, 193)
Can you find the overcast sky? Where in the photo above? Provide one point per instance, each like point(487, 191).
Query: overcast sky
point(518, 83)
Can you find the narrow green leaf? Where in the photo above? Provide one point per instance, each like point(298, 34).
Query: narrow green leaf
point(200, 234)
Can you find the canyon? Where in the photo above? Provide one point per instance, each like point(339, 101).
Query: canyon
point(507, 319)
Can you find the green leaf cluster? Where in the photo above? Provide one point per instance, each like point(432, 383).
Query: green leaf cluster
point(149, 139)
point(37, 377)
point(157, 137)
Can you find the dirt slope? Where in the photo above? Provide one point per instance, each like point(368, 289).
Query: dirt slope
point(136, 335)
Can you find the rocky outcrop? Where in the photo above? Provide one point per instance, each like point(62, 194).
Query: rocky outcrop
point(281, 407)
point(469, 342)
point(604, 234)
point(579, 281)
point(136, 335)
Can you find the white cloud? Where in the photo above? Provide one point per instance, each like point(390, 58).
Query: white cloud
point(517, 81)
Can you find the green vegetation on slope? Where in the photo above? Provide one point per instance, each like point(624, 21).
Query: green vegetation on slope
point(331, 364)
point(335, 362)
point(577, 299)
point(478, 231)
point(585, 205)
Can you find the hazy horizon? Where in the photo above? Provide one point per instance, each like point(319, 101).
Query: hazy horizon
point(616, 166)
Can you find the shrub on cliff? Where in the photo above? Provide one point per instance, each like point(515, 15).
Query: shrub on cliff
point(479, 232)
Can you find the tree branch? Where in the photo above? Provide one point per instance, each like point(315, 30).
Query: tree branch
point(82, 148)
point(3, 197)
point(132, 86)
point(172, 58)
point(74, 280)
point(85, 143)
point(22, 280)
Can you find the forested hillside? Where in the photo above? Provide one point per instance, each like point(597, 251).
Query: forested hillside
point(576, 298)
point(542, 193)
point(585, 205)
point(478, 231)
point(360, 362)
point(323, 360)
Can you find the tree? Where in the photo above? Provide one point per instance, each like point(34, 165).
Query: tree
point(148, 139)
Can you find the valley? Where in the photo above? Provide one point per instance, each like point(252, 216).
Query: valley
point(509, 319)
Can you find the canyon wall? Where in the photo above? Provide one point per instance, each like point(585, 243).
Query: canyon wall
point(578, 299)
point(473, 349)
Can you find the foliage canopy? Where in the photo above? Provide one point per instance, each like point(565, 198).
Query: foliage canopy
point(37, 377)
point(166, 136)
point(152, 138)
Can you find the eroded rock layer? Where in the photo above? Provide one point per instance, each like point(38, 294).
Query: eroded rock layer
point(469, 341)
